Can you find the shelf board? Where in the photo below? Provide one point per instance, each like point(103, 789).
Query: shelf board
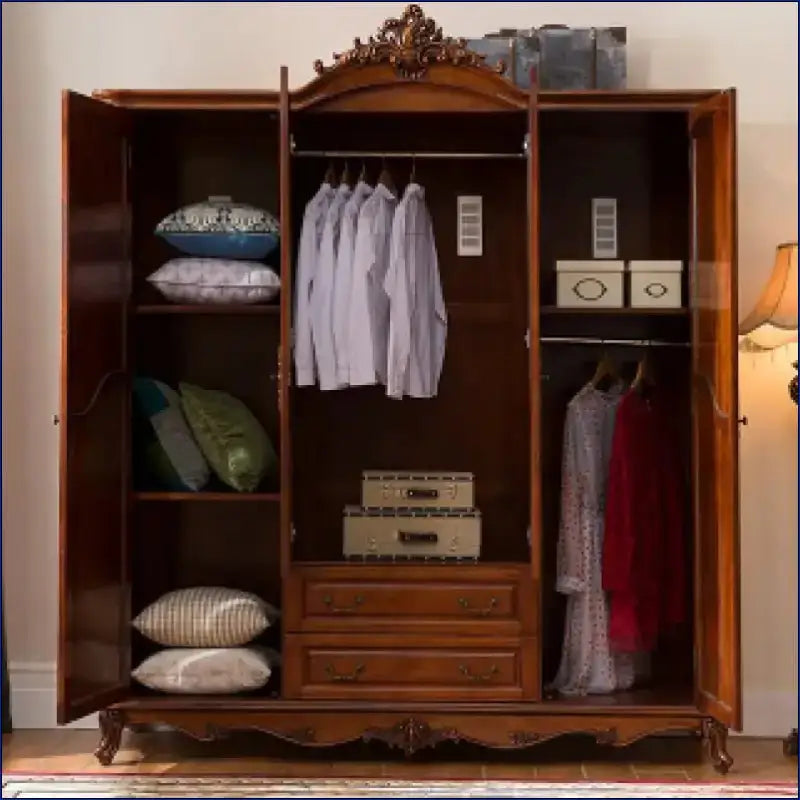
point(207, 497)
point(626, 312)
point(231, 310)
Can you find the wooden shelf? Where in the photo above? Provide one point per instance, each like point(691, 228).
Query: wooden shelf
point(207, 497)
point(231, 310)
point(627, 312)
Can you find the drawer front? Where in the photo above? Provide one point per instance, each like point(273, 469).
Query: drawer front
point(390, 667)
point(420, 490)
point(495, 601)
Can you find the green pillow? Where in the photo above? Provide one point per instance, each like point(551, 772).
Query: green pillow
point(231, 438)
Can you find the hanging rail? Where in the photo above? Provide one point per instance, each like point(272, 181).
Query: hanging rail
point(622, 342)
point(395, 154)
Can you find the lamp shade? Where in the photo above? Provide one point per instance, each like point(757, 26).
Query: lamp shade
point(773, 321)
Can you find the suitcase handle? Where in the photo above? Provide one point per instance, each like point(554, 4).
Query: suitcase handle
point(417, 537)
point(416, 493)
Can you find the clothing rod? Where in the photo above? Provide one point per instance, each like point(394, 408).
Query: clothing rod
point(394, 154)
point(625, 342)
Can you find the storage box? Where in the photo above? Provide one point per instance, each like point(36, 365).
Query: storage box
point(383, 489)
point(402, 534)
point(593, 283)
point(655, 284)
point(563, 58)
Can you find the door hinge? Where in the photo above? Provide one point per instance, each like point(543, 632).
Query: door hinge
point(527, 338)
point(292, 533)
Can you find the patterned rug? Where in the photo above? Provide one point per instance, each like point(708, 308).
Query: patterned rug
point(57, 786)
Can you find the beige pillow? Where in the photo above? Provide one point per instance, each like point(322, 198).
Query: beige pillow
point(192, 670)
point(205, 616)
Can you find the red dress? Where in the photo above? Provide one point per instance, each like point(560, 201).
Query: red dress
point(644, 568)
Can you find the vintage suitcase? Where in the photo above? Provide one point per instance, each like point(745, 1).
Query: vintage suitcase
point(411, 534)
point(384, 489)
point(563, 58)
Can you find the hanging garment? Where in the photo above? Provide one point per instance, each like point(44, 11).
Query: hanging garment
point(417, 315)
point(368, 326)
point(308, 252)
point(643, 560)
point(344, 280)
point(587, 665)
point(322, 291)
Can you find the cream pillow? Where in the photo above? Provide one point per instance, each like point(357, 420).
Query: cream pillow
point(203, 671)
point(205, 616)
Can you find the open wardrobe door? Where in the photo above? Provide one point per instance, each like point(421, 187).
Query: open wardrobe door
point(715, 417)
point(94, 625)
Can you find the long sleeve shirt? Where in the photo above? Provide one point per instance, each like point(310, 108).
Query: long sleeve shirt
point(368, 325)
point(344, 280)
point(417, 315)
point(308, 253)
point(322, 291)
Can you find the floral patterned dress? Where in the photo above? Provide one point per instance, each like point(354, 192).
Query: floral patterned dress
point(587, 664)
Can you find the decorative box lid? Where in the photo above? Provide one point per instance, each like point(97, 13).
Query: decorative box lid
point(655, 266)
point(411, 475)
point(590, 265)
point(407, 512)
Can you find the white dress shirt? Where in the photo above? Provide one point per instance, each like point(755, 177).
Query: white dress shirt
point(308, 252)
point(368, 326)
point(417, 315)
point(344, 279)
point(322, 291)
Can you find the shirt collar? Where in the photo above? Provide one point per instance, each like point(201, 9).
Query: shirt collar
point(415, 189)
point(383, 191)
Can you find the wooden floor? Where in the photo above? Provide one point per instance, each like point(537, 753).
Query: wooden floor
point(670, 759)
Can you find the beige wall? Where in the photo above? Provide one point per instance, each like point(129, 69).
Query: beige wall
point(50, 46)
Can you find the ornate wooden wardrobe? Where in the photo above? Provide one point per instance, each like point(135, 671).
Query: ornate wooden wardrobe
point(409, 654)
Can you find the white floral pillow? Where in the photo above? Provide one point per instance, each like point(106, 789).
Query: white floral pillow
point(215, 280)
point(207, 671)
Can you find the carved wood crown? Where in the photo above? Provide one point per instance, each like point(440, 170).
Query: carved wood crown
point(410, 44)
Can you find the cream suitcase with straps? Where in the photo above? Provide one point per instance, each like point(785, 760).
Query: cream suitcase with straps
point(410, 489)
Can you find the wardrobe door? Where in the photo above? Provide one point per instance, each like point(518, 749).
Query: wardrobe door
point(94, 614)
point(715, 435)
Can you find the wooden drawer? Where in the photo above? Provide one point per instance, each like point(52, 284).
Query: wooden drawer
point(390, 667)
point(479, 599)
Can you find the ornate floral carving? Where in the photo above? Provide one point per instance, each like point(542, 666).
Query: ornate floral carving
point(410, 43)
point(411, 735)
point(112, 722)
point(716, 737)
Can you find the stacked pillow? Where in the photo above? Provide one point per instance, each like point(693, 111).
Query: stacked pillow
point(222, 242)
point(182, 438)
point(204, 631)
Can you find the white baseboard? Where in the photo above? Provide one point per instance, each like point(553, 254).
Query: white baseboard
point(33, 697)
point(33, 703)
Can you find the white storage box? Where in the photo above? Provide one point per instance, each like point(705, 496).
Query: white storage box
point(382, 489)
point(583, 284)
point(655, 284)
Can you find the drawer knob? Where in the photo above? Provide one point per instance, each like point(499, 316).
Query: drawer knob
point(478, 678)
point(339, 677)
point(358, 600)
point(480, 612)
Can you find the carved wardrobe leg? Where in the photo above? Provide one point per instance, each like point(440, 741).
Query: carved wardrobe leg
point(112, 721)
point(716, 737)
point(790, 744)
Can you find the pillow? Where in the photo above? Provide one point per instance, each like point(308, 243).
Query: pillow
point(232, 439)
point(201, 671)
point(205, 616)
point(169, 452)
point(220, 228)
point(214, 280)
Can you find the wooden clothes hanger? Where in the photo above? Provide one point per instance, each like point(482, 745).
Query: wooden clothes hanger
point(362, 176)
point(606, 372)
point(345, 179)
point(330, 174)
point(644, 382)
point(386, 178)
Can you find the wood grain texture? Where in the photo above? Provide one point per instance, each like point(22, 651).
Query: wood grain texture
point(94, 590)
point(715, 404)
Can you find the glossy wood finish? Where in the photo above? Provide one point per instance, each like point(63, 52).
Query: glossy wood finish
point(94, 612)
point(415, 667)
point(484, 599)
point(715, 431)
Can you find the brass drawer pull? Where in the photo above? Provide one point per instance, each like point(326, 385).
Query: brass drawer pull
point(487, 676)
point(337, 677)
point(481, 612)
point(358, 600)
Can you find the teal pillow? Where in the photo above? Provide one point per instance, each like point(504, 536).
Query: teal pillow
point(232, 439)
point(170, 454)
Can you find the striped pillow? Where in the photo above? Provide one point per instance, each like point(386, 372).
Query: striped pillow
point(205, 616)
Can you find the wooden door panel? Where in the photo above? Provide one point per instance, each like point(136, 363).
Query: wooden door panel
point(94, 640)
point(715, 410)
